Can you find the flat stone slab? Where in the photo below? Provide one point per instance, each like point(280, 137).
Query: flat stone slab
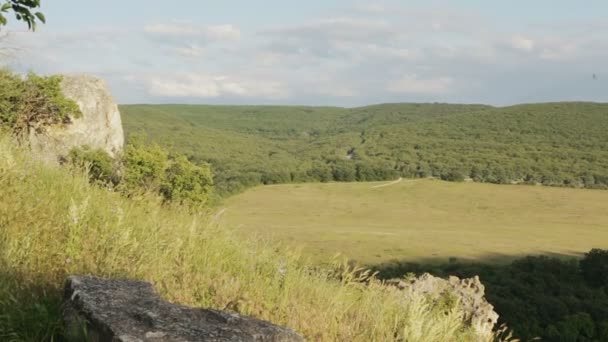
point(98, 309)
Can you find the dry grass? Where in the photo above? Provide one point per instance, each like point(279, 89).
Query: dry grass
point(52, 223)
point(424, 220)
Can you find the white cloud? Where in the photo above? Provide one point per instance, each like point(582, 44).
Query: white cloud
point(184, 30)
point(522, 43)
point(560, 53)
point(210, 86)
point(414, 84)
point(189, 51)
point(336, 28)
point(373, 8)
point(373, 52)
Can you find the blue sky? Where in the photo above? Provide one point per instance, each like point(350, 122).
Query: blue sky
point(345, 53)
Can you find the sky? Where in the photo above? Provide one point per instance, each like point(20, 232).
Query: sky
point(323, 52)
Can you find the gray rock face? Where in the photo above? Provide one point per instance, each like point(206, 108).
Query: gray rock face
point(478, 313)
point(100, 126)
point(129, 311)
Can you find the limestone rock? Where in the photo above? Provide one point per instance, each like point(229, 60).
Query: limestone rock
point(478, 313)
point(100, 126)
point(128, 311)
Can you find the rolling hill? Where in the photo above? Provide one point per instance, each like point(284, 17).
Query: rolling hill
point(559, 144)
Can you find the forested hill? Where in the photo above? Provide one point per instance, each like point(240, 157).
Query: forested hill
point(560, 144)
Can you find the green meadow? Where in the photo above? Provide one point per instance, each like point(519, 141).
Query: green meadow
point(424, 220)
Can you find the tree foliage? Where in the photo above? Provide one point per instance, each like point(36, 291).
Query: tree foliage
point(144, 168)
point(101, 167)
point(33, 103)
point(175, 178)
point(147, 169)
point(24, 10)
point(554, 299)
point(187, 183)
point(553, 144)
point(595, 267)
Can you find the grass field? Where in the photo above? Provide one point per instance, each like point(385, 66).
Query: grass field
point(424, 220)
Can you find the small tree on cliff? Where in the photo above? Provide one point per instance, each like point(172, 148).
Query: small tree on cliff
point(22, 9)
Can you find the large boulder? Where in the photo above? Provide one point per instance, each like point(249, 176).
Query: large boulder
point(477, 311)
point(128, 311)
point(100, 126)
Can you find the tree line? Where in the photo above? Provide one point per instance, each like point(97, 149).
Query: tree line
point(554, 299)
point(554, 144)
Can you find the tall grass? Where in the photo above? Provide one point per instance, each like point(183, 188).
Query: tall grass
point(53, 223)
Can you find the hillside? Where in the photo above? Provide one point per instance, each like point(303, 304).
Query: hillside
point(53, 223)
point(559, 144)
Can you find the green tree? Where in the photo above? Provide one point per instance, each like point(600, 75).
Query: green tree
point(101, 167)
point(603, 331)
point(23, 11)
point(595, 267)
point(151, 169)
point(344, 171)
point(143, 168)
point(186, 182)
point(453, 175)
point(33, 103)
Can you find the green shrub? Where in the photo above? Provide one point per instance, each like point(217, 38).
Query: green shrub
point(143, 168)
point(101, 167)
point(595, 267)
point(453, 175)
point(33, 103)
point(186, 182)
point(150, 169)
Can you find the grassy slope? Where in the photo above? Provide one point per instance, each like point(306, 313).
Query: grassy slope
point(53, 223)
point(424, 219)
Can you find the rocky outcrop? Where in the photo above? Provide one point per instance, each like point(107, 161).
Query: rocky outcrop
point(100, 126)
point(478, 313)
point(127, 311)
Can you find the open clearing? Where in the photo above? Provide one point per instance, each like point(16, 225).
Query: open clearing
point(424, 220)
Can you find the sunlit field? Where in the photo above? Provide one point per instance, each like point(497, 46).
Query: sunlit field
point(424, 220)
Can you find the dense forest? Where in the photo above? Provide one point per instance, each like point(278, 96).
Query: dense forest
point(558, 144)
point(555, 299)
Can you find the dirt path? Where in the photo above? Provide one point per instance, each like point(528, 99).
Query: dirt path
point(388, 184)
point(216, 218)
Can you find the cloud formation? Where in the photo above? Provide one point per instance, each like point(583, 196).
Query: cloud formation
point(366, 53)
point(209, 86)
point(183, 31)
point(413, 84)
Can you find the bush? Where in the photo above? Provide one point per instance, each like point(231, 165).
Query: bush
point(453, 176)
point(102, 169)
point(150, 169)
point(186, 182)
point(33, 103)
point(143, 168)
point(595, 267)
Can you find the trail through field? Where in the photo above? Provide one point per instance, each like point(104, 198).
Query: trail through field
point(218, 215)
point(388, 184)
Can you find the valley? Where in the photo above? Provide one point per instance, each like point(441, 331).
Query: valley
point(424, 220)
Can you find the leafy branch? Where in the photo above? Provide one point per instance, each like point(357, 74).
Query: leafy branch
point(24, 10)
